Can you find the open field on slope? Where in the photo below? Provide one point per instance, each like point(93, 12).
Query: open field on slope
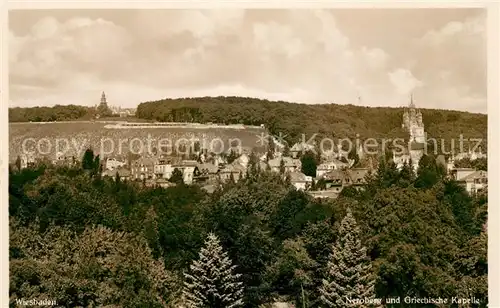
point(74, 137)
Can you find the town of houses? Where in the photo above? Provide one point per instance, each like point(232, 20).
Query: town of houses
point(335, 170)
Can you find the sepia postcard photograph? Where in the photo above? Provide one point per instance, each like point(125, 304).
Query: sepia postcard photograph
point(248, 157)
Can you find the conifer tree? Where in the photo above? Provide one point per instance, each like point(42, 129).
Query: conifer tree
point(428, 172)
point(282, 166)
point(232, 156)
point(18, 163)
point(353, 154)
point(348, 270)
point(212, 282)
point(271, 148)
point(88, 160)
point(309, 163)
point(288, 179)
point(406, 174)
point(286, 150)
point(253, 165)
point(97, 167)
point(387, 173)
point(151, 232)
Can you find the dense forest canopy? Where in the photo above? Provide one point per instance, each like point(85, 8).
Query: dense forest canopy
point(50, 114)
point(329, 120)
point(111, 242)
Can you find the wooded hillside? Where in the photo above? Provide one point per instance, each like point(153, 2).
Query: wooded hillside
point(330, 120)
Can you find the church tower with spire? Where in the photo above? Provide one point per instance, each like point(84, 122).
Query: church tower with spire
point(103, 100)
point(103, 109)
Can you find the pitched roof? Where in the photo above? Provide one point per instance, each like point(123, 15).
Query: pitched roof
point(289, 162)
point(417, 146)
point(114, 158)
point(190, 163)
point(122, 172)
point(243, 159)
point(233, 168)
point(108, 172)
point(358, 175)
point(334, 175)
point(190, 168)
point(263, 165)
point(162, 181)
point(207, 168)
point(167, 160)
point(209, 188)
point(480, 174)
point(337, 151)
point(461, 155)
point(302, 146)
point(335, 162)
point(299, 177)
point(441, 160)
point(324, 194)
point(145, 161)
point(355, 175)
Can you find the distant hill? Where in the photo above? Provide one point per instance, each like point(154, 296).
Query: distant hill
point(50, 114)
point(290, 119)
point(329, 120)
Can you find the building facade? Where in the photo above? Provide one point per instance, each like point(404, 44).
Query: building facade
point(142, 169)
point(112, 163)
point(472, 180)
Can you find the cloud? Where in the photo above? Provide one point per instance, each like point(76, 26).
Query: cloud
point(376, 58)
point(45, 28)
point(296, 55)
point(57, 52)
point(404, 81)
point(457, 55)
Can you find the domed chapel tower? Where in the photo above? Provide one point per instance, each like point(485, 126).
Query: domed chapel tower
point(412, 122)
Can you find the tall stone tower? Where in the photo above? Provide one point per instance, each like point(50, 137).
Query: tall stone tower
point(103, 100)
point(412, 122)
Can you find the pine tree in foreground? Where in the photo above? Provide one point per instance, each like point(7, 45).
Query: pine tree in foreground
point(212, 282)
point(349, 274)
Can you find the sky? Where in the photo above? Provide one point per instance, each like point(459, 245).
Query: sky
point(369, 57)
